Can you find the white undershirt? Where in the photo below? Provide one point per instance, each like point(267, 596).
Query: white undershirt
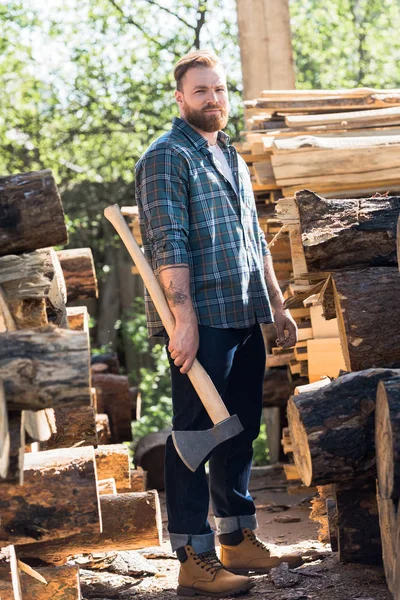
point(222, 165)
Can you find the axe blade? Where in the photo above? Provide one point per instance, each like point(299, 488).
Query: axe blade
point(194, 446)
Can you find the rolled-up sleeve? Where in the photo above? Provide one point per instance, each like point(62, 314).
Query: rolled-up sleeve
point(162, 179)
point(264, 246)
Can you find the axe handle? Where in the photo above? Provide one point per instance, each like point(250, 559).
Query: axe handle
point(201, 382)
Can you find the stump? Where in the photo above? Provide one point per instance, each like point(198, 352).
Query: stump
point(130, 521)
point(79, 273)
point(31, 213)
point(368, 337)
point(45, 368)
point(77, 426)
point(149, 454)
point(333, 428)
point(59, 498)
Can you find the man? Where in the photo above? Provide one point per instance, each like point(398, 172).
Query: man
point(201, 234)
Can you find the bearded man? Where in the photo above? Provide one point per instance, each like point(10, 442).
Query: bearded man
point(201, 235)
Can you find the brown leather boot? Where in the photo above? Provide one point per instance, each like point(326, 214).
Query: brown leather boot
point(248, 553)
point(204, 575)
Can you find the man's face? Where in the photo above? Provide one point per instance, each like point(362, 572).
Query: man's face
point(203, 100)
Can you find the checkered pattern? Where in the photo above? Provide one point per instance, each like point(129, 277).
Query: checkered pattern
point(190, 214)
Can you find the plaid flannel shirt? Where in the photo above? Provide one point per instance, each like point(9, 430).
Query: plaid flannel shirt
point(189, 213)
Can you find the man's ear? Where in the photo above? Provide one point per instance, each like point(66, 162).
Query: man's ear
point(178, 96)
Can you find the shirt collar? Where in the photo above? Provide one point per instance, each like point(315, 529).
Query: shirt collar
point(196, 138)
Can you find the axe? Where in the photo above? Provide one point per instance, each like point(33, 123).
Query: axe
point(192, 446)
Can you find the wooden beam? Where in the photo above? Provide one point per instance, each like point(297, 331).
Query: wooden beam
point(265, 46)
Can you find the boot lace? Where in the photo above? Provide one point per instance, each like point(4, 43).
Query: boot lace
point(255, 540)
point(210, 560)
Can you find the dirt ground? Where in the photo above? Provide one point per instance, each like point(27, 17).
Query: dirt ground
point(321, 577)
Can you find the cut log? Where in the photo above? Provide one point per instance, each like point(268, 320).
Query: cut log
point(319, 511)
point(338, 234)
point(79, 273)
point(387, 509)
point(325, 358)
point(75, 427)
point(59, 498)
point(358, 524)
point(398, 242)
point(387, 438)
point(14, 470)
point(57, 297)
point(277, 387)
point(111, 360)
point(103, 429)
point(39, 425)
point(303, 143)
point(31, 213)
point(149, 454)
point(113, 461)
point(7, 322)
point(107, 486)
point(333, 428)
point(136, 403)
point(332, 516)
point(396, 586)
point(130, 521)
point(44, 368)
point(368, 337)
point(78, 318)
point(62, 583)
point(113, 399)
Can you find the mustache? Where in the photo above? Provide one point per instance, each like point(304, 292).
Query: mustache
point(212, 107)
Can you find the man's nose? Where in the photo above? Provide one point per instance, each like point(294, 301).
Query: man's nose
point(212, 97)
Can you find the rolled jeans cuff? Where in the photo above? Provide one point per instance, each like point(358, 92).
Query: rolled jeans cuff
point(199, 543)
point(231, 524)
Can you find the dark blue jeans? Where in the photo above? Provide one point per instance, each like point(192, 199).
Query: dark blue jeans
point(235, 361)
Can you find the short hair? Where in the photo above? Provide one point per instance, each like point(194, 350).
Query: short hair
point(197, 58)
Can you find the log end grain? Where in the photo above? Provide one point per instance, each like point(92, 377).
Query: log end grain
point(301, 450)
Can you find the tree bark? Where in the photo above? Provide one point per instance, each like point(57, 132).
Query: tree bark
point(387, 509)
point(398, 242)
point(79, 273)
point(337, 234)
point(62, 584)
point(59, 498)
point(333, 428)
point(31, 213)
point(358, 524)
point(130, 521)
point(113, 399)
point(45, 368)
point(332, 516)
point(113, 461)
point(77, 426)
point(366, 305)
point(387, 438)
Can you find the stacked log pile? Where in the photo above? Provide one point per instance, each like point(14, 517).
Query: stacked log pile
point(64, 490)
point(345, 433)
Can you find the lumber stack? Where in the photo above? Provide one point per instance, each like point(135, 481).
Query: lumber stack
point(336, 142)
point(62, 493)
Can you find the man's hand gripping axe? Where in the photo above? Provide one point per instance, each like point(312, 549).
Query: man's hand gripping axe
point(192, 446)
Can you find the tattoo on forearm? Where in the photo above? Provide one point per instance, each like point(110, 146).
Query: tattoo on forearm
point(174, 296)
point(172, 267)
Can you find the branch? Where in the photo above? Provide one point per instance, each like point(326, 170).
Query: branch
point(201, 19)
point(170, 12)
point(135, 24)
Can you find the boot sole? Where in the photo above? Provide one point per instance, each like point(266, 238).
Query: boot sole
point(184, 591)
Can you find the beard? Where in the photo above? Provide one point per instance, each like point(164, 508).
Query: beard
point(205, 121)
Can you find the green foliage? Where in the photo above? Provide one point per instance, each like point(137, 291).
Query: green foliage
point(260, 447)
point(154, 382)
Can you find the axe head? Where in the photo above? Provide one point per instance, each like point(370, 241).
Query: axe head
point(194, 446)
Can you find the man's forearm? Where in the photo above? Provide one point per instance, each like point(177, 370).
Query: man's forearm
point(274, 291)
point(175, 282)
